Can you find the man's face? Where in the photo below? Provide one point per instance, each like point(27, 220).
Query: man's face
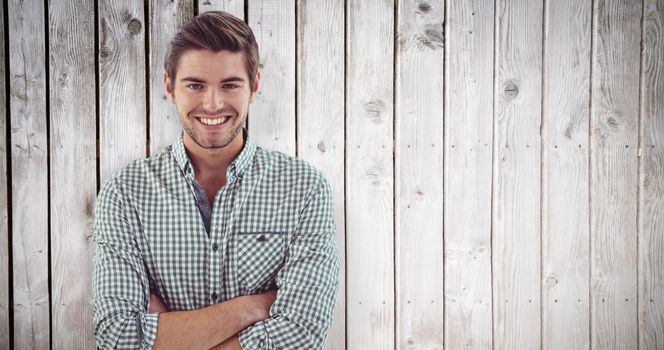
point(212, 94)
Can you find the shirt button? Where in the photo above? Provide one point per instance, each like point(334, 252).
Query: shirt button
point(214, 296)
point(215, 247)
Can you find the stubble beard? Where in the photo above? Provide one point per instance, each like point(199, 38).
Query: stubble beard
point(189, 129)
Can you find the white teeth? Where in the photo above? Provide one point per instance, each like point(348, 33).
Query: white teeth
point(216, 121)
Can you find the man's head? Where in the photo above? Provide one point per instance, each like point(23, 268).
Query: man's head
point(214, 31)
point(211, 74)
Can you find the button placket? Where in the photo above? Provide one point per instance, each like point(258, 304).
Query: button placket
point(216, 257)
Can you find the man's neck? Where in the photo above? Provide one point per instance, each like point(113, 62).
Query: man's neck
point(211, 164)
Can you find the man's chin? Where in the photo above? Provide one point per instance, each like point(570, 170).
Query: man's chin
point(214, 144)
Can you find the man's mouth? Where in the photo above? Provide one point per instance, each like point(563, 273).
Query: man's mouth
point(214, 121)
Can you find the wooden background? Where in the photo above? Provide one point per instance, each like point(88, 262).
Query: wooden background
point(498, 167)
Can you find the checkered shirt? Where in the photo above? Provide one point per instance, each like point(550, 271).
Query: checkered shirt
point(271, 228)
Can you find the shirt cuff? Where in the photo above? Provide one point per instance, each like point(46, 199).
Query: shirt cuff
point(254, 337)
point(149, 329)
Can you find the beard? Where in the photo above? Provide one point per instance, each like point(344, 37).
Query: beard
point(227, 138)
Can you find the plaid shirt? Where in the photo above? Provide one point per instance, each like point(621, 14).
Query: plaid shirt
point(271, 227)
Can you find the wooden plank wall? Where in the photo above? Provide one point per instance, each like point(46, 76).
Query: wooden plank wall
point(497, 166)
point(468, 172)
point(4, 229)
point(29, 198)
point(73, 172)
point(651, 180)
point(565, 154)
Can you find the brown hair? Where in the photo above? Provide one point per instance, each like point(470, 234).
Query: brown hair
point(214, 31)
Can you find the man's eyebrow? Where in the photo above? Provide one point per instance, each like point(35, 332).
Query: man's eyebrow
point(233, 79)
point(227, 80)
point(193, 79)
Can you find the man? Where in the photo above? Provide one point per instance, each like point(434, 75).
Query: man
point(214, 242)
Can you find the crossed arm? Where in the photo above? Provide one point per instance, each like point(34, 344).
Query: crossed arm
point(174, 330)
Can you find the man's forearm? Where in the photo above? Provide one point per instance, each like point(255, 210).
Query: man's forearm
point(202, 328)
point(213, 325)
point(232, 343)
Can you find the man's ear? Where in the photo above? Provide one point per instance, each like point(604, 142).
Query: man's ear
point(169, 90)
point(254, 88)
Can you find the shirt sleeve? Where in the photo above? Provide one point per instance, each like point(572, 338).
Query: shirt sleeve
point(121, 290)
point(306, 285)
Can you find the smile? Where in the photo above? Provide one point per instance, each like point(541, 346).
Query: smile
point(215, 121)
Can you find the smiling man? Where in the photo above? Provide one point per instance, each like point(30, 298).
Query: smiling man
point(215, 242)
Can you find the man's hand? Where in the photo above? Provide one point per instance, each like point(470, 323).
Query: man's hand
point(260, 305)
point(259, 308)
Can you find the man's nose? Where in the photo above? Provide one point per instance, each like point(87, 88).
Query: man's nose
point(213, 101)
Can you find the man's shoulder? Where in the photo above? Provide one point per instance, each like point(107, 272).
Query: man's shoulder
point(140, 170)
point(287, 168)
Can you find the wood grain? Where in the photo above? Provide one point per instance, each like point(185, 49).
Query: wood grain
point(517, 176)
point(272, 114)
point(166, 17)
point(122, 89)
point(565, 219)
point(419, 153)
point(370, 174)
point(613, 174)
point(73, 169)
point(235, 7)
point(4, 223)
point(27, 100)
point(468, 153)
point(320, 123)
point(651, 181)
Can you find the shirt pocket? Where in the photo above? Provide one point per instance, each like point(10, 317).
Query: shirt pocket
point(258, 258)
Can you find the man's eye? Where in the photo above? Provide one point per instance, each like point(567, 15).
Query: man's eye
point(195, 86)
point(230, 86)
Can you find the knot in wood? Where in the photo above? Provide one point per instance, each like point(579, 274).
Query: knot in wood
point(551, 281)
point(424, 7)
point(321, 146)
point(433, 37)
point(104, 52)
point(612, 123)
point(134, 26)
point(511, 89)
point(375, 110)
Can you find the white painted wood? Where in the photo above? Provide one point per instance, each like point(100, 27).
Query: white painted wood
point(235, 7)
point(73, 175)
point(565, 211)
point(320, 123)
point(517, 179)
point(369, 174)
point(4, 224)
point(122, 90)
point(613, 173)
point(468, 153)
point(419, 154)
point(651, 181)
point(27, 100)
point(596, 199)
point(166, 17)
point(272, 114)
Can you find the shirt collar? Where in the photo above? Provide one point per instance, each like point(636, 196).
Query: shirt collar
point(239, 165)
